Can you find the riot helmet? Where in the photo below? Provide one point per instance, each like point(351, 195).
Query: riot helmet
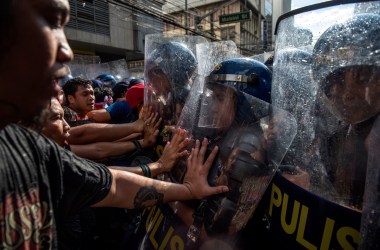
point(97, 84)
point(346, 65)
point(161, 61)
point(108, 80)
point(128, 79)
point(168, 70)
point(228, 89)
point(243, 75)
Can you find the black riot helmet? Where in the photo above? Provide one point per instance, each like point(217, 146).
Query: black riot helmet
point(178, 63)
point(346, 52)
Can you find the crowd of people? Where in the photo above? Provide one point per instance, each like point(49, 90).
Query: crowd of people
point(150, 163)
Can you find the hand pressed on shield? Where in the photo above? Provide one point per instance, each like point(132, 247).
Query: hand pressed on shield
point(174, 150)
point(144, 115)
point(197, 171)
point(151, 130)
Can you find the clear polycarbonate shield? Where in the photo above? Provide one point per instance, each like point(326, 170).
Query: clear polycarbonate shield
point(117, 68)
point(251, 150)
point(326, 73)
point(170, 66)
point(252, 143)
point(209, 56)
point(252, 137)
point(94, 70)
point(79, 65)
point(228, 114)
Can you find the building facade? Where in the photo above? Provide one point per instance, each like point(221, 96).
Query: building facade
point(220, 20)
point(100, 31)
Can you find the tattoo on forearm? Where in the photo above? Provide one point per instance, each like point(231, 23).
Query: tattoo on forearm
point(147, 197)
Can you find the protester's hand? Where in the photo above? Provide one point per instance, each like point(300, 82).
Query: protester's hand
point(197, 170)
point(174, 150)
point(145, 113)
point(151, 130)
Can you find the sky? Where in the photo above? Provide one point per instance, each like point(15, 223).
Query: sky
point(296, 4)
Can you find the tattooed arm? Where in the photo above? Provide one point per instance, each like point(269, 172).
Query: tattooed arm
point(132, 191)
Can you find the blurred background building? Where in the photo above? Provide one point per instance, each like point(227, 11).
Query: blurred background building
point(100, 31)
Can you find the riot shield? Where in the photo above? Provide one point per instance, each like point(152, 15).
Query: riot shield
point(79, 65)
point(326, 74)
point(252, 136)
point(169, 69)
point(209, 55)
point(118, 69)
point(252, 141)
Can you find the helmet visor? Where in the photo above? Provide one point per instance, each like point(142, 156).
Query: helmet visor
point(218, 107)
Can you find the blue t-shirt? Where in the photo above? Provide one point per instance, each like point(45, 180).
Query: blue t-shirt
point(120, 112)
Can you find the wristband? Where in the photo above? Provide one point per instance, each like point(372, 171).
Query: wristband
point(146, 170)
point(138, 145)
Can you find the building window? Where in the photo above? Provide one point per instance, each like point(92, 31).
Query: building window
point(228, 33)
point(90, 15)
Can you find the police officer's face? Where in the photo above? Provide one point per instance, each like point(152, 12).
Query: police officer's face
point(223, 107)
point(355, 92)
point(160, 82)
point(34, 58)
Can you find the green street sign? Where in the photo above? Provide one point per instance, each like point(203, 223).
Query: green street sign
point(235, 17)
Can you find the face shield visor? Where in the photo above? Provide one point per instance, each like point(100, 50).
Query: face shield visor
point(350, 87)
point(218, 107)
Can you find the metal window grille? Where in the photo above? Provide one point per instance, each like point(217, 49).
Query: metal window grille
point(90, 15)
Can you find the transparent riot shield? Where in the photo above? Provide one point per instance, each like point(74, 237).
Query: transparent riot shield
point(209, 55)
point(170, 66)
point(252, 137)
point(117, 69)
point(109, 73)
point(326, 74)
point(79, 65)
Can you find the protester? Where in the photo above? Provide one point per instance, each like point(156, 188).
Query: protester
point(103, 97)
point(80, 99)
point(135, 97)
point(56, 128)
point(119, 91)
point(122, 111)
point(42, 184)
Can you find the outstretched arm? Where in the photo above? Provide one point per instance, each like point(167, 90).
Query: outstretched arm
point(99, 115)
point(134, 191)
point(172, 152)
point(101, 150)
point(96, 132)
